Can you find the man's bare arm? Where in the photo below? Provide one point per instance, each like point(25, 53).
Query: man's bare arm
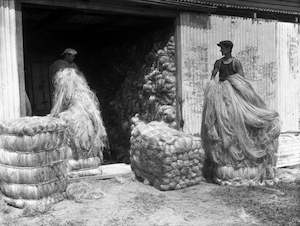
point(215, 70)
point(239, 67)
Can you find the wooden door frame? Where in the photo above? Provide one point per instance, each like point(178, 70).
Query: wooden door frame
point(178, 47)
point(125, 7)
point(20, 57)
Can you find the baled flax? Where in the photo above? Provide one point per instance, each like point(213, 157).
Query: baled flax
point(238, 131)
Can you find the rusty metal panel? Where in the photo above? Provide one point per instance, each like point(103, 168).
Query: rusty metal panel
point(288, 46)
point(254, 45)
point(9, 81)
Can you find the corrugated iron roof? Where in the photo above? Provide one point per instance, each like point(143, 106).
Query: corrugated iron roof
point(272, 6)
point(287, 7)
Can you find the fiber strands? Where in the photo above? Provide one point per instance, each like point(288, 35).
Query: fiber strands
point(149, 88)
point(84, 167)
point(167, 158)
point(239, 133)
point(78, 106)
point(33, 151)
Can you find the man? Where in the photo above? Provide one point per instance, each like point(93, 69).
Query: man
point(227, 65)
point(67, 61)
point(239, 133)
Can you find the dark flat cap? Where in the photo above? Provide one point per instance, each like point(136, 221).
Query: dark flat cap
point(226, 44)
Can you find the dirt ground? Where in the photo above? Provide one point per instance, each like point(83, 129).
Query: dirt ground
point(127, 202)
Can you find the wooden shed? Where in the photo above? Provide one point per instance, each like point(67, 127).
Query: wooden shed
point(266, 37)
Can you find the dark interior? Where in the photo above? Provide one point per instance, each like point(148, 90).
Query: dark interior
point(104, 41)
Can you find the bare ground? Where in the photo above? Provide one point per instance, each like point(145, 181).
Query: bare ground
point(127, 202)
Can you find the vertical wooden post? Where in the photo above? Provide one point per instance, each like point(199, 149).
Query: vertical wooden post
point(178, 72)
point(20, 58)
point(9, 80)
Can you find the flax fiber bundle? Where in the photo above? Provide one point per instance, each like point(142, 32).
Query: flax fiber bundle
point(84, 167)
point(167, 158)
point(33, 151)
point(35, 203)
point(33, 191)
point(32, 175)
point(78, 106)
point(239, 133)
point(148, 89)
point(33, 159)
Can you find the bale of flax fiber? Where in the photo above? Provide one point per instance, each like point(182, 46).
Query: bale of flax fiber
point(33, 154)
point(167, 158)
point(239, 134)
point(84, 167)
point(78, 106)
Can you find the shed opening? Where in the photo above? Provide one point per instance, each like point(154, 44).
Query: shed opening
point(116, 53)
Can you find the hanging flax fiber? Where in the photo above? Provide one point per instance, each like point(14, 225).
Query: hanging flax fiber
point(239, 133)
point(78, 106)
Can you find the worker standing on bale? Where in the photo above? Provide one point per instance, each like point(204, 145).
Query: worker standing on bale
point(67, 61)
point(239, 133)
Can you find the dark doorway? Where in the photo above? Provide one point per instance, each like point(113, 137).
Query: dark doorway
point(104, 41)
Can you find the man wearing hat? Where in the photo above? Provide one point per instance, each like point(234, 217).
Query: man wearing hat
point(67, 61)
point(227, 65)
point(239, 132)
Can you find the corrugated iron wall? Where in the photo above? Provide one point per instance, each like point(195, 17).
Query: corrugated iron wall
point(9, 80)
point(254, 45)
point(288, 47)
point(288, 51)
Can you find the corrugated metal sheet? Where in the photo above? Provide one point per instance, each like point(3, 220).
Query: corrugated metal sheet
point(289, 150)
point(288, 40)
point(257, 52)
point(289, 7)
point(270, 54)
point(9, 81)
point(274, 6)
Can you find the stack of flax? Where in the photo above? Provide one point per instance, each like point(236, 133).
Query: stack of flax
point(145, 90)
point(33, 151)
point(150, 85)
point(167, 158)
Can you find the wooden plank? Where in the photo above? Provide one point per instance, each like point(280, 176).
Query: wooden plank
point(178, 73)
point(115, 169)
point(289, 155)
point(289, 160)
point(179, 5)
point(288, 163)
point(291, 132)
point(108, 172)
point(107, 6)
point(293, 158)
